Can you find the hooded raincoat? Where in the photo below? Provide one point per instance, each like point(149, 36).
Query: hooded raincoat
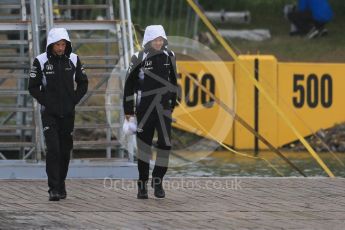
point(53, 78)
point(152, 75)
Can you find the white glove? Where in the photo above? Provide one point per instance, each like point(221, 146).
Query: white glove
point(130, 126)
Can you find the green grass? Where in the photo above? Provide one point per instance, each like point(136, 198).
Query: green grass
point(268, 14)
point(265, 14)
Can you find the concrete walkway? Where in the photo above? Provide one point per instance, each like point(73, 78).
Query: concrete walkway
point(191, 203)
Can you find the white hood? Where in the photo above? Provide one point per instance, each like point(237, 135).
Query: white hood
point(57, 34)
point(152, 32)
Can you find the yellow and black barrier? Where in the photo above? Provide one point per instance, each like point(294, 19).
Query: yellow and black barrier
point(259, 87)
point(309, 94)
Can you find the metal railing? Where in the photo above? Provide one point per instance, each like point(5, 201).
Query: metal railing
point(104, 45)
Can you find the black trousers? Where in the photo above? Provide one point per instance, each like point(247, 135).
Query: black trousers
point(304, 21)
point(147, 124)
point(58, 133)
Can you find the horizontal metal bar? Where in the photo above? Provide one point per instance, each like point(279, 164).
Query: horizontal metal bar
point(13, 92)
point(90, 144)
point(16, 127)
point(10, 6)
point(94, 40)
point(14, 59)
point(114, 57)
point(97, 126)
point(97, 108)
point(10, 17)
point(16, 109)
point(6, 54)
point(80, 7)
point(14, 66)
point(102, 91)
point(100, 66)
point(16, 145)
point(19, 76)
point(19, 25)
point(236, 17)
point(14, 42)
point(87, 25)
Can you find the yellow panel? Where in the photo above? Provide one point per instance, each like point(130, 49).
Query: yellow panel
point(244, 102)
point(268, 118)
point(299, 98)
point(322, 112)
point(267, 125)
point(211, 116)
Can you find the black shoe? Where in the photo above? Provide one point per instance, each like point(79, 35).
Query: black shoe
point(157, 184)
point(54, 196)
point(323, 32)
point(142, 190)
point(63, 194)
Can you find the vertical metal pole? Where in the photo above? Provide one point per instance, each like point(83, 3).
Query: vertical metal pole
point(108, 131)
point(124, 35)
point(120, 44)
point(41, 10)
point(20, 119)
point(129, 25)
point(23, 10)
point(121, 81)
point(49, 15)
point(110, 16)
point(131, 141)
point(111, 10)
point(69, 14)
point(33, 35)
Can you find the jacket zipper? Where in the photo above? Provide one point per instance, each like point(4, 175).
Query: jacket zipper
point(60, 87)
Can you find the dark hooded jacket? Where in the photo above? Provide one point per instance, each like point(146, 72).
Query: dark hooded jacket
point(152, 75)
point(52, 78)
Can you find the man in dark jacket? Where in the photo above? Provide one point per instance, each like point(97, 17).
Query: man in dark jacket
point(51, 83)
point(152, 76)
point(310, 17)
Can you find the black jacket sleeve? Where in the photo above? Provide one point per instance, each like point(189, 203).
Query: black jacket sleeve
point(130, 84)
point(36, 88)
point(82, 82)
point(173, 80)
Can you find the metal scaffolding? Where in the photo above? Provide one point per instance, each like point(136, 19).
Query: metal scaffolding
point(104, 44)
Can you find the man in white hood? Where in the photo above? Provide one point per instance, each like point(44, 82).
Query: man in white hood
point(51, 83)
point(152, 76)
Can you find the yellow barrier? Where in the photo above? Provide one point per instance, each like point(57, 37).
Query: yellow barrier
point(217, 77)
point(261, 89)
point(251, 106)
point(311, 94)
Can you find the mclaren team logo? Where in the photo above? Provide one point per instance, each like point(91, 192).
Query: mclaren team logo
point(49, 67)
